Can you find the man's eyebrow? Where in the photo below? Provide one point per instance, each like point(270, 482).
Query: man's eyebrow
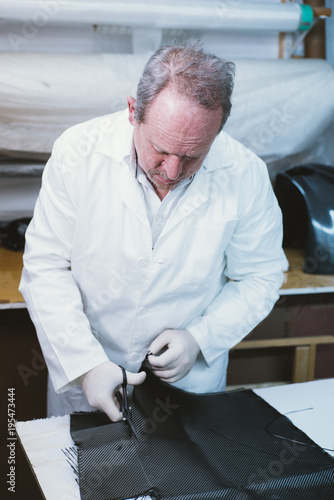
point(159, 150)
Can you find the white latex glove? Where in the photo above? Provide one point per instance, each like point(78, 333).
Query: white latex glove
point(179, 357)
point(100, 383)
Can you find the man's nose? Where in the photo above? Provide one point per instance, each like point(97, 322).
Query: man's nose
point(173, 166)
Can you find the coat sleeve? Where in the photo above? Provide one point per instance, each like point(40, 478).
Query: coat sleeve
point(255, 263)
point(47, 285)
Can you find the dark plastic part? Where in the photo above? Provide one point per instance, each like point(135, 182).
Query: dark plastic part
point(12, 234)
point(199, 447)
point(306, 197)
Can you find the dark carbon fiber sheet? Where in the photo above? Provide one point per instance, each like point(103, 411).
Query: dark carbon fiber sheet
point(231, 446)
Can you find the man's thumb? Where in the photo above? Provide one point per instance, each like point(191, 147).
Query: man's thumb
point(135, 378)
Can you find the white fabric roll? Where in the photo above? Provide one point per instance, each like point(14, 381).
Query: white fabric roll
point(280, 107)
point(187, 14)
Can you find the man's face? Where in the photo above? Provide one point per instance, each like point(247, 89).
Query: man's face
point(174, 139)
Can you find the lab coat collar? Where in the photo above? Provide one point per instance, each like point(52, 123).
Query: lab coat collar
point(220, 154)
point(117, 141)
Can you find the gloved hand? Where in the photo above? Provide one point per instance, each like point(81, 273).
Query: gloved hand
point(178, 359)
point(99, 386)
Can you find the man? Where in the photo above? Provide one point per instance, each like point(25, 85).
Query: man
point(153, 231)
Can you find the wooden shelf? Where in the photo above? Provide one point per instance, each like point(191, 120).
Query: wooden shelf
point(296, 281)
point(305, 352)
point(10, 275)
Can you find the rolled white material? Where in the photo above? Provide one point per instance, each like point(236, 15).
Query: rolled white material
point(279, 110)
point(281, 107)
point(278, 105)
point(173, 14)
point(43, 94)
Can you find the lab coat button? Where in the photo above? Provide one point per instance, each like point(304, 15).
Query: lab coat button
point(134, 356)
point(142, 312)
point(142, 262)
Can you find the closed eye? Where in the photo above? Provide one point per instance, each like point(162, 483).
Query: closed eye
point(184, 157)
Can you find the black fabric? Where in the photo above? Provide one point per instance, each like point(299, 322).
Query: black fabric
point(222, 446)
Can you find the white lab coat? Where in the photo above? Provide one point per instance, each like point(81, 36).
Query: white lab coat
point(95, 288)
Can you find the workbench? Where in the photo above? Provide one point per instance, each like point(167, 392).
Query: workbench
point(10, 274)
point(296, 282)
point(310, 406)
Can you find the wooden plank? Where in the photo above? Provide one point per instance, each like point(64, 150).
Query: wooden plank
point(281, 42)
point(296, 278)
point(311, 362)
point(281, 45)
point(287, 342)
point(301, 364)
point(10, 275)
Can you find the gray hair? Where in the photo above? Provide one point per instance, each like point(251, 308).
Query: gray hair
point(204, 78)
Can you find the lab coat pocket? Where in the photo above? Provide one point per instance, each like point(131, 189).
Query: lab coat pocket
point(206, 251)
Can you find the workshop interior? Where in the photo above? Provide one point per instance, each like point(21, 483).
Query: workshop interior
point(66, 62)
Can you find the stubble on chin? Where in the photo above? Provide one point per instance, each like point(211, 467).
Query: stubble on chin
point(162, 187)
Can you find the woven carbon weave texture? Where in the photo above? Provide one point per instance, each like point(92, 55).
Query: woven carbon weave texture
point(224, 446)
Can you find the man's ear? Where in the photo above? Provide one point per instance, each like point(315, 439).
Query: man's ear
point(131, 106)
